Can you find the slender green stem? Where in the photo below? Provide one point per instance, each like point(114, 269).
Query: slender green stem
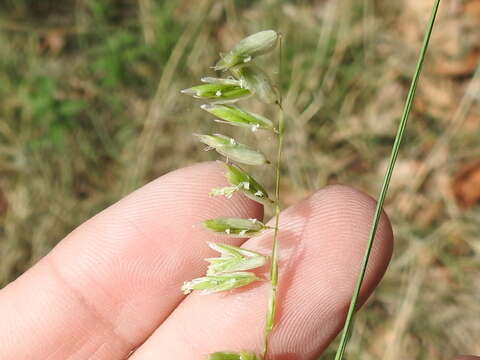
point(272, 302)
point(386, 181)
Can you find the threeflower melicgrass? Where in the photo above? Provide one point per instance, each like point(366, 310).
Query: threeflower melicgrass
point(232, 268)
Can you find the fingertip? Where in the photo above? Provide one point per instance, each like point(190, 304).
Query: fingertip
point(354, 210)
point(343, 197)
point(322, 279)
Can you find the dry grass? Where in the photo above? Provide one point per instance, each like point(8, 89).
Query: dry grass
point(89, 106)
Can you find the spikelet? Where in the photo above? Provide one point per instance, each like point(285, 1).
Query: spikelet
point(247, 49)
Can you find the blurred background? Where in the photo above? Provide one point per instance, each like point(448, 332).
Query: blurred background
point(90, 110)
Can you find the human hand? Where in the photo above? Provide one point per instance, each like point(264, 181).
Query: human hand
point(111, 289)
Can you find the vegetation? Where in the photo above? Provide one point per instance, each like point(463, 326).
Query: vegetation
point(85, 120)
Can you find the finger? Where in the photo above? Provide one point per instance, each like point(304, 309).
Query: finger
point(322, 242)
point(104, 288)
point(467, 357)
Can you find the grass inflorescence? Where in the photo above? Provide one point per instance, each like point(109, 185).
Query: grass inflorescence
point(229, 270)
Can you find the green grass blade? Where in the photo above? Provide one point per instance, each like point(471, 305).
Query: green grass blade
point(386, 182)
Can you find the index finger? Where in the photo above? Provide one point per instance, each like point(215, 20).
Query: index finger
point(112, 281)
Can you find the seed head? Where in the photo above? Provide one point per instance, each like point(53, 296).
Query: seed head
point(219, 93)
point(235, 116)
point(234, 226)
point(233, 259)
point(222, 282)
point(248, 48)
point(257, 81)
point(246, 184)
point(243, 182)
point(233, 150)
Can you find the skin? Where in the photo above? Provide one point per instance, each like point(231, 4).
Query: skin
point(111, 289)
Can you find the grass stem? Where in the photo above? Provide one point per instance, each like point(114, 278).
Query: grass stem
point(272, 302)
point(386, 182)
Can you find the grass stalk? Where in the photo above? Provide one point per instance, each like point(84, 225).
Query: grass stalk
point(272, 302)
point(386, 182)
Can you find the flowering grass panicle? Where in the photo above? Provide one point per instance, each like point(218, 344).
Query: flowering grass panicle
point(232, 268)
